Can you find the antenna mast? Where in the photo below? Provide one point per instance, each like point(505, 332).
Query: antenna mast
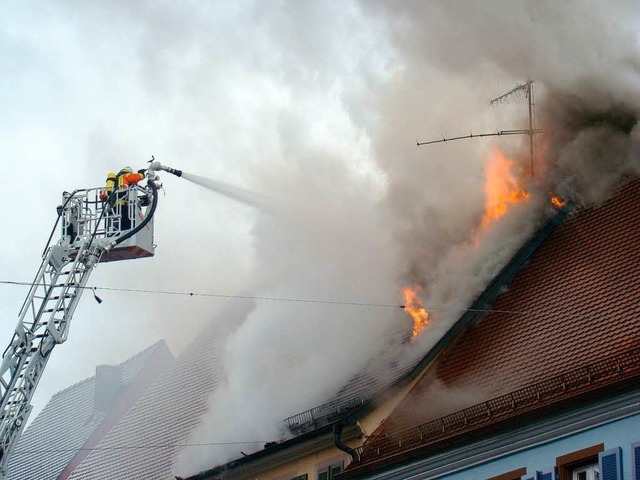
point(524, 89)
point(527, 89)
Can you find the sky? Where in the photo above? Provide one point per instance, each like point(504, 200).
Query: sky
point(315, 107)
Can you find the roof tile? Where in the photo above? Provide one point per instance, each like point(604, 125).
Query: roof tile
point(576, 301)
point(69, 420)
point(145, 443)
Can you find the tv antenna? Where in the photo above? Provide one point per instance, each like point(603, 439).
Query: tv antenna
point(519, 90)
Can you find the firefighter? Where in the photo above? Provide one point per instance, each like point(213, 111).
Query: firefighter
point(121, 182)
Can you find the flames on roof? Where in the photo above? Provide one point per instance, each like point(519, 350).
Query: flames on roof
point(505, 187)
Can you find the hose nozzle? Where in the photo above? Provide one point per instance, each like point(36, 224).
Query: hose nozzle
point(175, 171)
point(156, 166)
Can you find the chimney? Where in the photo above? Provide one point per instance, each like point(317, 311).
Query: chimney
point(108, 386)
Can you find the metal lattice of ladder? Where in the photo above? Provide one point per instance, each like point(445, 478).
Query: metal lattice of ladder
point(89, 227)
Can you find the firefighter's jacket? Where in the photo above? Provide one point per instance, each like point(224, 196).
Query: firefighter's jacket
point(122, 180)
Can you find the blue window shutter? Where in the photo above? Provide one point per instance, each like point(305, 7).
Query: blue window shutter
point(544, 475)
point(635, 460)
point(610, 464)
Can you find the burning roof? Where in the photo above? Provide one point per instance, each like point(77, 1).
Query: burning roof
point(569, 314)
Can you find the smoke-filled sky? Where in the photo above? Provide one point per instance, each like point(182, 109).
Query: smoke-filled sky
point(316, 107)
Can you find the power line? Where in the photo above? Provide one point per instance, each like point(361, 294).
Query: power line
point(322, 302)
point(138, 447)
point(222, 295)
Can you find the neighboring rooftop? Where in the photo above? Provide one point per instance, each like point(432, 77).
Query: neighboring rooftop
point(78, 416)
point(567, 324)
point(145, 442)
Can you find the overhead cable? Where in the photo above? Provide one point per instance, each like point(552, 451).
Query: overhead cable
point(223, 295)
point(322, 302)
point(137, 447)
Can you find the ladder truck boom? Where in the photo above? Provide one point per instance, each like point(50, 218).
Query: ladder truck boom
point(92, 231)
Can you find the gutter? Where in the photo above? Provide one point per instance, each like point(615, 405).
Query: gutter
point(337, 432)
point(571, 407)
point(247, 466)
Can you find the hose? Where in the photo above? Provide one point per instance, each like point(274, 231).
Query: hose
point(147, 218)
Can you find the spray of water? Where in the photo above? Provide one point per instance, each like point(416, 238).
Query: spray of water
point(244, 196)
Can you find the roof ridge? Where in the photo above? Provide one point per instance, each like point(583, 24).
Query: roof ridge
point(159, 344)
point(119, 365)
point(71, 387)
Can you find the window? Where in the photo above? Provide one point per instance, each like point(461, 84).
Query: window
point(588, 472)
point(547, 475)
point(580, 465)
point(512, 475)
point(328, 473)
point(301, 477)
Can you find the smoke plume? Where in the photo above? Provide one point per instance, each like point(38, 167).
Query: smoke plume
point(352, 86)
point(318, 105)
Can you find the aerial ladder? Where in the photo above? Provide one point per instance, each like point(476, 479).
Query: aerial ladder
point(92, 231)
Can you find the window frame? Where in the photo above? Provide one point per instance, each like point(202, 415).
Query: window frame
point(566, 464)
point(329, 469)
point(516, 474)
point(594, 467)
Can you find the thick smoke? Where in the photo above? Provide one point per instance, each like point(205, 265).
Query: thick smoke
point(585, 57)
point(594, 141)
point(368, 213)
point(317, 105)
point(322, 239)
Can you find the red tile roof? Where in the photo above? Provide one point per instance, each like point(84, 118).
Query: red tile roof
point(609, 373)
point(576, 302)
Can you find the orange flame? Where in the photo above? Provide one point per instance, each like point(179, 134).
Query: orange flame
point(557, 202)
point(502, 188)
point(414, 307)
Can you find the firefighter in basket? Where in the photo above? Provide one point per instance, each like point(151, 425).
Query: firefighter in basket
point(118, 201)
